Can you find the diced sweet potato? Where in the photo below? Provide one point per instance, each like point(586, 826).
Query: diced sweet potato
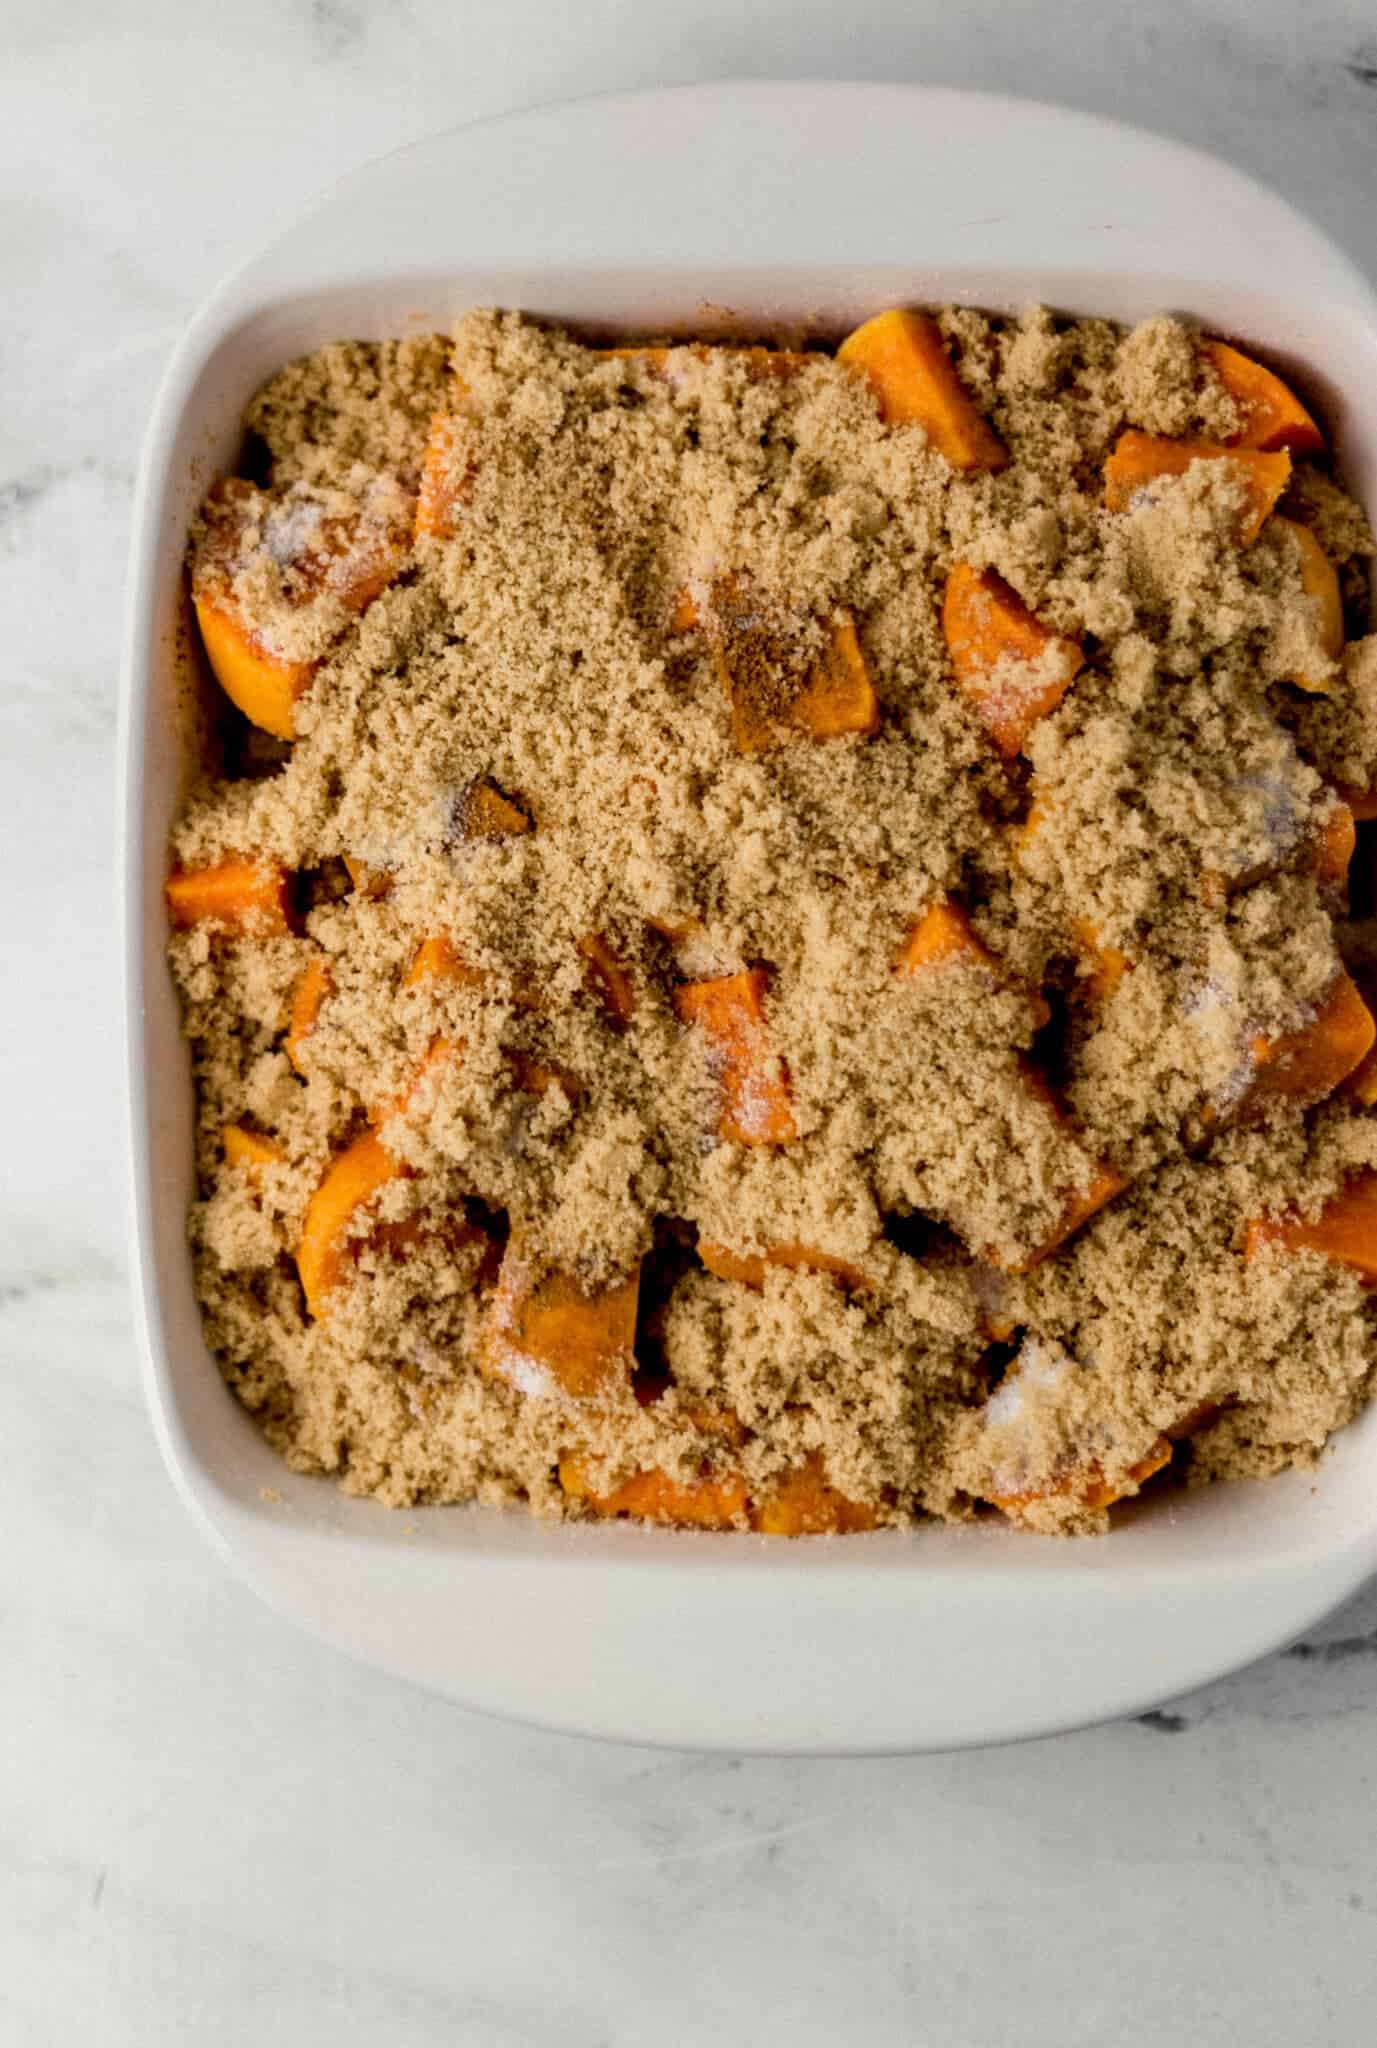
point(749, 1267)
point(444, 487)
point(1104, 1184)
point(487, 814)
point(1345, 1230)
point(1011, 667)
point(351, 1182)
point(944, 935)
point(684, 615)
point(262, 685)
point(250, 1149)
point(751, 657)
point(759, 362)
point(755, 1107)
point(903, 356)
point(1307, 1065)
point(1332, 850)
point(1320, 582)
point(838, 696)
point(242, 895)
point(1362, 1082)
point(1139, 460)
point(718, 1502)
point(1361, 802)
point(1088, 1487)
point(805, 1505)
point(547, 1333)
point(439, 959)
point(1273, 417)
point(610, 980)
point(350, 556)
point(311, 992)
point(1105, 963)
point(371, 882)
point(534, 1077)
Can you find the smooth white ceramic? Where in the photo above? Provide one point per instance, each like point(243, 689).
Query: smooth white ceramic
point(781, 204)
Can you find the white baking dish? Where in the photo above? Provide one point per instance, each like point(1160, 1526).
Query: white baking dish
point(783, 204)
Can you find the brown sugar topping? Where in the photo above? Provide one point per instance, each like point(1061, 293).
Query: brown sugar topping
point(557, 952)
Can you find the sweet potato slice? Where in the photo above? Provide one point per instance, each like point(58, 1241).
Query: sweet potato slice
point(487, 814)
point(1105, 964)
point(903, 356)
point(1331, 851)
point(548, 1334)
point(1361, 802)
point(371, 882)
point(1139, 460)
point(752, 656)
point(804, 1504)
point(1088, 1487)
point(755, 1106)
point(264, 686)
point(309, 996)
point(250, 1149)
point(444, 486)
point(1307, 1065)
point(1011, 668)
point(351, 1182)
point(838, 696)
point(1345, 1230)
point(1273, 417)
point(943, 935)
point(439, 959)
point(242, 895)
point(718, 1502)
point(749, 1267)
point(684, 615)
point(609, 979)
point(1320, 582)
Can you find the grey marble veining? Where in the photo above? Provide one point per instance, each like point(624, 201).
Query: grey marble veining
point(213, 1832)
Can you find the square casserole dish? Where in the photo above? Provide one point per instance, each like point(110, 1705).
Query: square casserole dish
point(778, 205)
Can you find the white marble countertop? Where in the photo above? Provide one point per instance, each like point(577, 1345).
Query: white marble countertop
point(213, 1831)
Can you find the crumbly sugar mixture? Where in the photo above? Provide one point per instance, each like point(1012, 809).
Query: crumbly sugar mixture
point(557, 733)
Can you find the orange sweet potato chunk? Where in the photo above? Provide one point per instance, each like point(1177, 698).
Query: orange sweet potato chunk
point(838, 696)
point(308, 998)
point(1273, 417)
point(264, 686)
point(250, 1149)
point(351, 1182)
point(1332, 851)
point(371, 882)
point(1088, 1487)
point(439, 959)
point(1345, 1230)
point(755, 1107)
point(1138, 460)
point(1011, 667)
point(242, 895)
point(835, 697)
point(942, 935)
point(1320, 582)
point(652, 1496)
point(490, 815)
point(1361, 802)
point(903, 356)
point(749, 1267)
point(547, 1333)
point(804, 1504)
point(610, 980)
point(1307, 1065)
point(442, 490)
point(1105, 963)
